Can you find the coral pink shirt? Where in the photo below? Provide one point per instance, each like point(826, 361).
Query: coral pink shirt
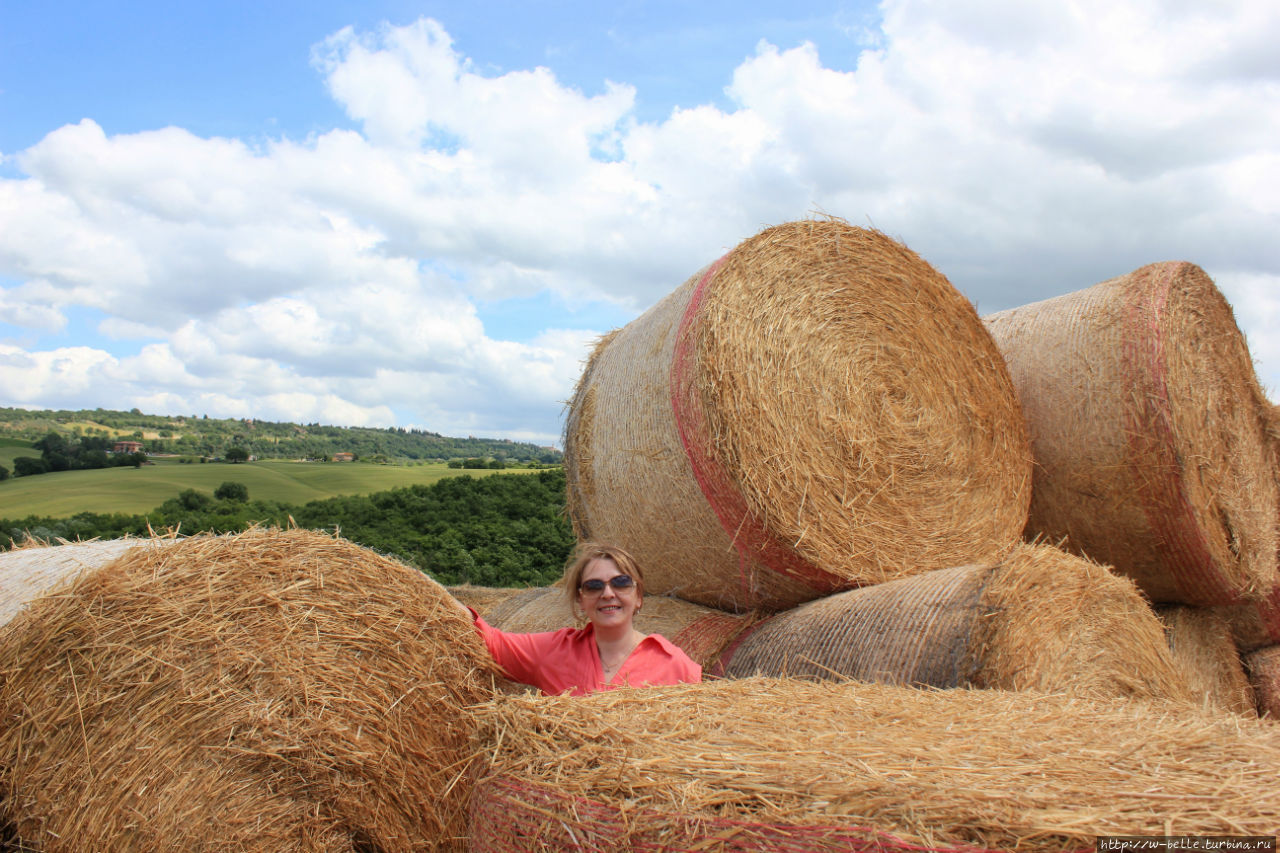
point(568, 659)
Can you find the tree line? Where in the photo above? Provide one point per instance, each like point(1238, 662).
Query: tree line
point(203, 436)
point(499, 530)
point(60, 454)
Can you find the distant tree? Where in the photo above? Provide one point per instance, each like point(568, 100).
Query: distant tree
point(454, 463)
point(94, 459)
point(4, 473)
point(26, 466)
point(497, 464)
point(190, 499)
point(237, 454)
point(230, 491)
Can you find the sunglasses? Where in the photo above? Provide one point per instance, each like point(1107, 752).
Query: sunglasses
point(618, 582)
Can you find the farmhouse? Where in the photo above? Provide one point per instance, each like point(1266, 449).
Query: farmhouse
point(344, 456)
point(127, 447)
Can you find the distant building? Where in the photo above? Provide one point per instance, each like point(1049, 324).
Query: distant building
point(127, 447)
point(344, 457)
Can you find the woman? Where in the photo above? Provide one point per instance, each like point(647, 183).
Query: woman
point(606, 584)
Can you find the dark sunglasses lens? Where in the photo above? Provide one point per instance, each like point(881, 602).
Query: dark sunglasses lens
point(617, 582)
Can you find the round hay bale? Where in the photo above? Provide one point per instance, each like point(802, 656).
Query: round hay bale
point(764, 764)
point(30, 572)
point(817, 410)
point(483, 599)
point(1263, 667)
point(1206, 655)
point(1041, 619)
point(269, 691)
point(1254, 624)
point(701, 632)
point(1149, 431)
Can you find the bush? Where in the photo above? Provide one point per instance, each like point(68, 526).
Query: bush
point(25, 466)
point(191, 500)
point(232, 492)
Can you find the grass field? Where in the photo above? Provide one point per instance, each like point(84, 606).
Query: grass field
point(11, 448)
point(135, 490)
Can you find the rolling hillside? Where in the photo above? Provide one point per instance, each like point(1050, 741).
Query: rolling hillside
point(135, 490)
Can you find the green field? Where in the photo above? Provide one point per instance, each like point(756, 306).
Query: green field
point(136, 490)
point(11, 448)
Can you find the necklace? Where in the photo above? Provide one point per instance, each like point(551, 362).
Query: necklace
point(611, 669)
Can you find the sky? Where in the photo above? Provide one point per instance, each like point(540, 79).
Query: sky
point(422, 214)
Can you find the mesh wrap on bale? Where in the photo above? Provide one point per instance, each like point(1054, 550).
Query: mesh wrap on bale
point(30, 572)
point(1263, 666)
point(701, 632)
point(1041, 619)
point(817, 410)
point(483, 599)
point(269, 691)
point(765, 764)
point(1204, 652)
point(1149, 431)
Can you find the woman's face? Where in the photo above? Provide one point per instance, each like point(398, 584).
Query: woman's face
point(609, 608)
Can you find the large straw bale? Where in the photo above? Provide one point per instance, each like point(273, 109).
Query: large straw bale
point(1254, 624)
point(1263, 667)
point(1206, 655)
point(268, 691)
point(1041, 619)
point(483, 599)
point(788, 765)
point(701, 632)
point(817, 410)
point(30, 572)
point(1150, 433)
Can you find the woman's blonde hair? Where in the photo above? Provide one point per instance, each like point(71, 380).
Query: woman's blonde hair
point(584, 554)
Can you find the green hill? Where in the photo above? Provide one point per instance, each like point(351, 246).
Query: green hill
point(211, 437)
point(11, 448)
point(136, 490)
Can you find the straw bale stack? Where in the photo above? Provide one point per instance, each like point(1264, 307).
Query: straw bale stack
point(36, 569)
point(1150, 433)
point(1205, 653)
point(701, 632)
point(817, 410)
point(270, 691)
point(483, 598)
point(1263, 666)
point(1255, 624)
point(787, 765)
point(1041, 619)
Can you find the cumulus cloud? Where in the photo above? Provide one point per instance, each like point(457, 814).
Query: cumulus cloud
point(1025, 149)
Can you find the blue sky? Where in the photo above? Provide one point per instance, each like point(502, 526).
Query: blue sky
point(422, 213)
point(243, 69)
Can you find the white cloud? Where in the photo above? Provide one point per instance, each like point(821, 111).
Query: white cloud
point(1025, 149)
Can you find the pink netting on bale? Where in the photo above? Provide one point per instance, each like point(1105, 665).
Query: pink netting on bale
point(508, 814)
point(1151, 434)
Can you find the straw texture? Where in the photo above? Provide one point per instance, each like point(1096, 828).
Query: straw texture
point(1263, 666)
point(710, 767)
point(1040, 620)
point(270, 691)
point(30, 572)
point(483, 599)
point(817, 410)
point(701, 632)
point(1150, 433)
point(1206, 655)
point(1255, 624)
